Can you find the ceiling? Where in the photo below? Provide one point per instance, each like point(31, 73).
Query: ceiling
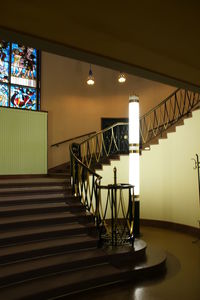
point(154, 39)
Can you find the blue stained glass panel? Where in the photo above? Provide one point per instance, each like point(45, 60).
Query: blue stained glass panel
point(4, 60)
point(4, 95)
point(23, 97)
point(23, 65)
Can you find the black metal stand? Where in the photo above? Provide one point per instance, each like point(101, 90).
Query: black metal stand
point(137, 219)
point(197, 166)
point(120, 233)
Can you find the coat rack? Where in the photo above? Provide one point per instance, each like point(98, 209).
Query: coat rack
point(197, 167)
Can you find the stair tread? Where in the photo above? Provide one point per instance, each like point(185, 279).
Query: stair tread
point(8, 184)
point(72, 257)
point(50, 261)
point(44, 229)
point(31, 246)
point(29, 189)
point(48, 284)
point(31, 206)
point(33, 196)
point(36, 192)
point(32, 180)
point(37, 199)
point(35, 217)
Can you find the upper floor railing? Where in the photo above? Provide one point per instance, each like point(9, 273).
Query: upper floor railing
point(169, 112)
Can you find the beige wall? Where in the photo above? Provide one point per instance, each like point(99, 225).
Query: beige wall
point(168, 182)
point(169, 185)
point(75, 108)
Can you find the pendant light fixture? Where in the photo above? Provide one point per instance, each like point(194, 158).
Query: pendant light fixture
point(121, 77)
point(90, 79)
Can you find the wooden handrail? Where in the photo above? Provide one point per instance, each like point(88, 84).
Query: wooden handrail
point(74, 138)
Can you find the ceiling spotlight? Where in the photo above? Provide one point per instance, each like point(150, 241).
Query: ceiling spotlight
point(90, 79)
point(122, 77)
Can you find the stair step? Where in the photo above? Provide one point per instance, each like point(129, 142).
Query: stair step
point(7, 223)
point(34, 199)
point(27, 270)
point(44, 233)
point(27, 209)
point(9, 254)
point(50, 184)
point(32, 189)
point(33, 196)
point(29, 180)
point(35, 190)
point(52, 286)
point(66, 281)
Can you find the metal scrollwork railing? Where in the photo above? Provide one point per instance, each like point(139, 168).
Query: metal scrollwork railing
point(114, 139)
point(116, 213)
point(113, 213)
point(170, 111)
point(83, 180)
point(103, 144)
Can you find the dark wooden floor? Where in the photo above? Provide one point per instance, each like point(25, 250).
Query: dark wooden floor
point(181, 282)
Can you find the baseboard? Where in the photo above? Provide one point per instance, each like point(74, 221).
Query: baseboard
point(194, 231)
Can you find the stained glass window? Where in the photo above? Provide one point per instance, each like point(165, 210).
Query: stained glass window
point(23, 97)
point(4, 61)
point(23, 65)
point(19, 69)
point(4, 99)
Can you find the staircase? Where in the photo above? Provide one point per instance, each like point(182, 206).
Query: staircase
point(48, 244)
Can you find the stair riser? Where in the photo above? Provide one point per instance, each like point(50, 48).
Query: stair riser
point(67, 191)
point(11, 185)
point(64, 267)
point(45, 236)
point(81, 219)
point(9, 259)
point(43, 210)
point(36, 201)
point(33, 211)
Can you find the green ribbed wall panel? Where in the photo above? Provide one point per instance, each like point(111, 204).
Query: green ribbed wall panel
point(23, 142)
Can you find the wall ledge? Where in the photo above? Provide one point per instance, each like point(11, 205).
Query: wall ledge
point(194, 231)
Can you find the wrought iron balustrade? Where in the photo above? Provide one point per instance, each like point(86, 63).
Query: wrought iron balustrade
point(103, 144)
point(169, 112)
point(116, 213)
point(86, 184)
point(83, 180)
